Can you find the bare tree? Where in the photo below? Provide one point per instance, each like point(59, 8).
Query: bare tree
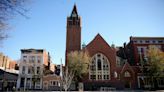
point(8, 8)
point(66, 79)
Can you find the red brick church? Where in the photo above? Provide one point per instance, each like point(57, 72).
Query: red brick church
point(106, 69)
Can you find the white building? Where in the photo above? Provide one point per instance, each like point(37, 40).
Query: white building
point(31, 68)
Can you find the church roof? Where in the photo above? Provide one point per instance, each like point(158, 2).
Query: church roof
point(98, 37)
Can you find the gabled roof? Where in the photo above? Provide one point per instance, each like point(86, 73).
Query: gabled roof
point(127, 66)
point(98, 37)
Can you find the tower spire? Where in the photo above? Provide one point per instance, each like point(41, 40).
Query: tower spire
point(74, 11)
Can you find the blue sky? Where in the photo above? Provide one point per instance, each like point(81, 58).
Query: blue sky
point(115, 20)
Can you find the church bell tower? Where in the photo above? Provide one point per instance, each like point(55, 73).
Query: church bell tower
point(73, 35)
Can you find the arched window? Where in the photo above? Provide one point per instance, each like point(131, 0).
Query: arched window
point(99, 67)
point(127, 74)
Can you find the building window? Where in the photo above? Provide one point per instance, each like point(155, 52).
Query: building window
point(99, 76)
point(98, 55)
point(23, 69)
point(93, 77)
point(29, 70)
point(38, 82)
point(54, 83)
point(99, 64)
point(118, 61)
point(30, 59)
point(154, 41)
point(33, 59)
point(142, 50)
point(127, 74)
point(135, 41)
point(160, 41)
point(147, 41)
point(99, 67)
point(93, 67)
point(22, 82)
point(139, 50)
point(28, 83)
point(38, 70)
point(24, 58)
point(39, 59)
point(107, 76)
point(32, 70)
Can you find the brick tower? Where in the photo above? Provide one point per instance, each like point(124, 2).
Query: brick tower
point(73, 36)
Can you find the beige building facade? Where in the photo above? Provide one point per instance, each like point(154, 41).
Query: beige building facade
point(31, 68)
